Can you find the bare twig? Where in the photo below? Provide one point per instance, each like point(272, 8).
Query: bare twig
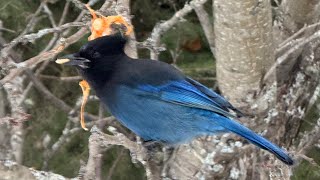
point(4, 52)
point(71, 78)
point(12, 170)
point(53, 99)
point(51, 43)
point(123, 8)
point(18, 118)
point(160, 29)
point(206, 25)
point(79, 4)
point(98, 159)
point(80, 16)
point(29, 86)
point(285, 56)
point(309, 139)
point(8, 30)
point(277, 2)
point(50, 15)
point(17, 113)
point(64, 13)
point(53, 24)
point(67, 132)
point(114, 164)
point(42, 32)
point(100, 139)
point(47, 94)
point(43, 56)
point(290, 40)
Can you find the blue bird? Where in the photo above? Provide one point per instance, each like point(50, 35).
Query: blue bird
point(155, 100)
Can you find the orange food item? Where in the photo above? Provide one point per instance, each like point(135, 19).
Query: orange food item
point(86, 92)
point(100, 26)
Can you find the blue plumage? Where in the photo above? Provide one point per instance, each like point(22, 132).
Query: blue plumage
point(156, 101)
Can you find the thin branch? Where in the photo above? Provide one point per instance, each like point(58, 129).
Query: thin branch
point(29, 86)
point(47, 94)
point(64, 13)
point(43, 56)
point(123, 8)
point(51, 43)
point(285, 56)
point(290, 41)
point(66, 133)
point(98, 138)
point(12, 170)
point(206, 25)
point(41, 33)
point(160, 29)
point(310, 139)
point(114, 164)
point(8, 30)
point(277, 2)
point(98, 159)
point(67, 79)
point(53, 99)
point(55, 37)
point(50, 15)
point(79, 5)
point(5, 51)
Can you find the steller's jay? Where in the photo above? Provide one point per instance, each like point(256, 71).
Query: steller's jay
point(155, 100)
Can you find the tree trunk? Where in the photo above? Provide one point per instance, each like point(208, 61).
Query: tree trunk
point(244, 46)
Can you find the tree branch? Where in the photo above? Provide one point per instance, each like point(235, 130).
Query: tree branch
point(206, 25)
point(12, 170)
point(20, 67)
point(154, 40)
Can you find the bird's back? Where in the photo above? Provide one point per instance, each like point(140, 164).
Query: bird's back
point(135, 72)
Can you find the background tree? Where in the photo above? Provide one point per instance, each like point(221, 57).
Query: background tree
point(265, 54)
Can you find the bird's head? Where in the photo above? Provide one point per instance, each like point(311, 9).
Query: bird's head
point(102, 48)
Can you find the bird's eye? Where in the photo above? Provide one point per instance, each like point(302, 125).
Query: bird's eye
point(96, 55)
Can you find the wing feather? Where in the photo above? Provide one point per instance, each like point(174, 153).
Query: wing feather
point(187, 94)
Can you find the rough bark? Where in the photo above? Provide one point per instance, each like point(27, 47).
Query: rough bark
point(4, 127)
point(295, 15)
point(12, 170)
point(12, 135)
point(244, 46)
point(301, 12)
point(123, 8)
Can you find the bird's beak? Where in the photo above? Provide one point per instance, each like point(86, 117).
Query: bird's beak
point(71, 60)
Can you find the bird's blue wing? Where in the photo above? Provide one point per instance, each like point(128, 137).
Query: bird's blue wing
point(189, 94)
point(193, 94)
point(221, 101)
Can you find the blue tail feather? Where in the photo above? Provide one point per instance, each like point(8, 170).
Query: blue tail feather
point(254, 138)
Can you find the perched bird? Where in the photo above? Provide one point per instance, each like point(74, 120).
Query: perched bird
point(155, 100)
